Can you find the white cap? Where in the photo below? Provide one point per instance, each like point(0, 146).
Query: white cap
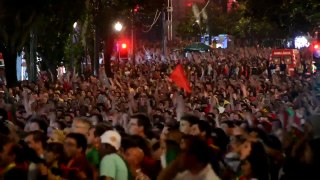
point(113, 138)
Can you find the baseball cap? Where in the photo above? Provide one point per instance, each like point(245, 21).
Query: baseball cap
point(111, 137)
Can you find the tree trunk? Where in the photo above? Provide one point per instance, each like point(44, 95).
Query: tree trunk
point(10, 60)
point(33, 58)
point(95, 63)
point(52, 69)
point(164, 37)
point(133, 40)
point(108, 46)
point(54, 73)
point(27, 58)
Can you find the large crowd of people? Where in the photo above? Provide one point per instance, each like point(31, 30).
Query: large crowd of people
point(242, 120)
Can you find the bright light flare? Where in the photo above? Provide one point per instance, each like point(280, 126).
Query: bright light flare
point(301, 41)
point(118, 26)
point(124, 46)
point(75, 24)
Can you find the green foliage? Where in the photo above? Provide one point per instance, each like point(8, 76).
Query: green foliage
point(186, 28)
point(105, 12)
point(296, 17)
point(289, 16)
point(55, 28)
point(259, 19)
point(314, 18)
point(73, 53)
point(16, 20)
point(218, 22)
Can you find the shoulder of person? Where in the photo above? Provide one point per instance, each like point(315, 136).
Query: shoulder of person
point(16, 173)
point(112, 156)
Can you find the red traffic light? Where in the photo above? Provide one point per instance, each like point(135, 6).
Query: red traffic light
point(136, 9)
point(123, 49)
point(124, 46)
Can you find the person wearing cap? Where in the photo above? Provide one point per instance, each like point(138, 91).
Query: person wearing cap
point(112, 166)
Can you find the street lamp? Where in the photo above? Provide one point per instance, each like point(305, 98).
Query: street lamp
point(118, 26)
point(74, 41)
point(75, 24)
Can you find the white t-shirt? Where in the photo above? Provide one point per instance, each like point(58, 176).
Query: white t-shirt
point(206, 174)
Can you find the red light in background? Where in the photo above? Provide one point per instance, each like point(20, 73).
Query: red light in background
point(189, 4)
point(136, 9)
point(316, 46)
point(123, 49)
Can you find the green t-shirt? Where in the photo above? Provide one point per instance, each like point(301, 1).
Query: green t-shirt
point(113, 166)
point(93, 157)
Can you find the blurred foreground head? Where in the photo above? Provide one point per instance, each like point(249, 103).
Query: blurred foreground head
point(313, 123)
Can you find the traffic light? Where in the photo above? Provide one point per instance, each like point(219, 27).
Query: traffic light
point(123, 51)
point(124, 46)
point(136, 9)
point(316, 51)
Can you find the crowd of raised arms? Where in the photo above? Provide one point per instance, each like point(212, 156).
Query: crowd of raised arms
point(243, 119)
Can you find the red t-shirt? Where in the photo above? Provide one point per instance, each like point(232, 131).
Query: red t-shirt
point(75, 166)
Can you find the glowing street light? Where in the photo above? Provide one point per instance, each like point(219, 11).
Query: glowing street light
point(124, 46)
point(75, 24)
point(118, 26)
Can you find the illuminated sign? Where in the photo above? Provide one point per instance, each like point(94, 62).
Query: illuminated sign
point(281, 53)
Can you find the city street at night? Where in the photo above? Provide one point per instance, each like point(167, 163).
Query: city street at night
point(159, 90)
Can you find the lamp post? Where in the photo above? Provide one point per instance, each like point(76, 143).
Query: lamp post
point(75, 24)
point(74, 42)
point(135, 10)
point(118, 26)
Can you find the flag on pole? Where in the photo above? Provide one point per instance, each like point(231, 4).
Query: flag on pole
point(179, 77)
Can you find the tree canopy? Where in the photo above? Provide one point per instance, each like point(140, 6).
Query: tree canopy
point(261, 19)
point(45, 26)
point(55, 28)
point(16, 20)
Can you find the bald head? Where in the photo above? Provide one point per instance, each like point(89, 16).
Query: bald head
point(81, 125)
point(134, 157)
